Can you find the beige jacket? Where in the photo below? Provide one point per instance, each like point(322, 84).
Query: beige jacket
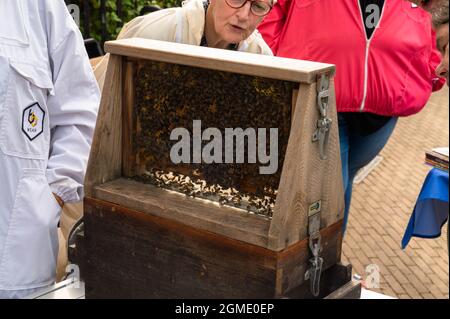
point(181, 25)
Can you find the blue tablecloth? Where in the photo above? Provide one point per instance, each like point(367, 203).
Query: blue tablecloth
point(431, 210)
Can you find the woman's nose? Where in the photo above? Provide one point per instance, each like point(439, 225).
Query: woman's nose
point(244, 12)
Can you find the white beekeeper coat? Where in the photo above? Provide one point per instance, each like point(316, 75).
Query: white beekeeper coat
point(48, 106)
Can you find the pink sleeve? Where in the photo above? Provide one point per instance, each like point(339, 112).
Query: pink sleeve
point(273, 24)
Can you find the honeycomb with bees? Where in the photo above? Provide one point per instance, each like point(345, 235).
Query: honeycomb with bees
point(168, 96)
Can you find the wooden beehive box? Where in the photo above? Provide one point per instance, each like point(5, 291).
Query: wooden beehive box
point(148, 237)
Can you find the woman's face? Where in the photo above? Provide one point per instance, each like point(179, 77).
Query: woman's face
point(442, 45)
point(233, 25)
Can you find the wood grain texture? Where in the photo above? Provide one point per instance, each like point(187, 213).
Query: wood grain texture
point(129, 254)
point(289, 222)
point(128, 124)
point(332, 280)
point(306, 178)
point(223, 60)
point(294, 103)
point(203, 214)
point(293, 261)
point(332, 184)
point(105, 160)
point(351, 290)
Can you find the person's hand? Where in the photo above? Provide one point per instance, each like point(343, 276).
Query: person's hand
point(59, 200)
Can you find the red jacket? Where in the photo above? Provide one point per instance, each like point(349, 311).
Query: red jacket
point(391, 74)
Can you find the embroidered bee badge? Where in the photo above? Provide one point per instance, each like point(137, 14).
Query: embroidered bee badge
point(33, 121)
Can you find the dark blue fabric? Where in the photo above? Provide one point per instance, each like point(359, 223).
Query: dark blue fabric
point(431, 210)
point(357, 150)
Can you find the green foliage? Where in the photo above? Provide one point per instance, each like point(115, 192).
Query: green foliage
point(114, 21)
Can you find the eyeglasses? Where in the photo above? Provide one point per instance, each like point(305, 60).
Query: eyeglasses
point(258, 8)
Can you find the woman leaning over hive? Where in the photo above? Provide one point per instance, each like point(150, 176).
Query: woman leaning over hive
point(222, 24)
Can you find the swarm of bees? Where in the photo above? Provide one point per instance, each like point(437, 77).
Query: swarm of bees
point(198, 188)
point(168, 96)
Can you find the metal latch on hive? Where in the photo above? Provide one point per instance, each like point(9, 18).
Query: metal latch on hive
point(315, 245)
point(322, 132)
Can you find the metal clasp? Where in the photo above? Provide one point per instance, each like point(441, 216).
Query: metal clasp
point(315, 245)
point(322, 135)
point(324, 123)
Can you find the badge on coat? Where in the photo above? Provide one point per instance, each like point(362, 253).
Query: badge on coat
point(33, 121)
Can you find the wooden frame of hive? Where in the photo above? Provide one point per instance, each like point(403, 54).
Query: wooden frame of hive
point(143, 241)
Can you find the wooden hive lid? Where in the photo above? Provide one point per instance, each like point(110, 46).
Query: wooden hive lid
point(222, 60)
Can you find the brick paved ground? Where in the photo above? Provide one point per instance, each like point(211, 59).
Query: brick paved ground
point(382, 205)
